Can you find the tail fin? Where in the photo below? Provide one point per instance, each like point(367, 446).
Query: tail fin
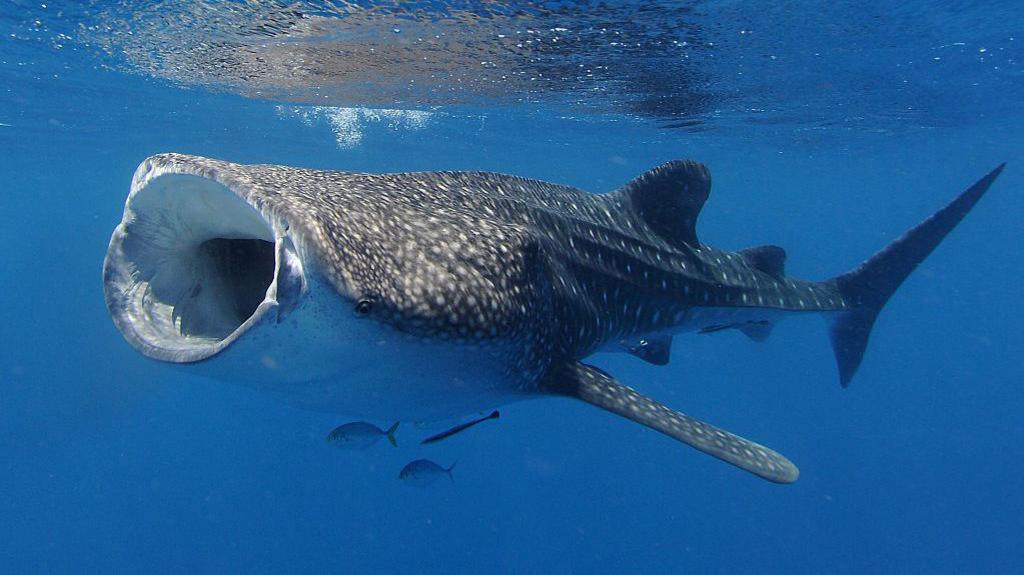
point(449, 472)
point(872, 283)
point(391, 434)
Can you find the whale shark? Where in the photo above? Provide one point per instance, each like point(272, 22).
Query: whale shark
point(429, 295)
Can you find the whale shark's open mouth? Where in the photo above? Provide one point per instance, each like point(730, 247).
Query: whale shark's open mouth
point(191, 266)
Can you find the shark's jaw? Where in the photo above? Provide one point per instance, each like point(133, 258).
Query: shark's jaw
point(192, 267)
point(205, 273)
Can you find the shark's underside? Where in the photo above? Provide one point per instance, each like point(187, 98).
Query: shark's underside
point(430, 294)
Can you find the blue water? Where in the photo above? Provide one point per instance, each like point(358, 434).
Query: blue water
point(828, 131)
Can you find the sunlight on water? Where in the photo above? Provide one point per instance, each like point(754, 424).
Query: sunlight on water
point(689, 65)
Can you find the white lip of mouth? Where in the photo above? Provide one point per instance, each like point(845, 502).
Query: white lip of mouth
point(193, 266)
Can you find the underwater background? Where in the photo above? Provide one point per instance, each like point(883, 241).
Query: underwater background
point(829, 130)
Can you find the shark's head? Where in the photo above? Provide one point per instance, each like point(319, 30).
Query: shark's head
point(297, 279)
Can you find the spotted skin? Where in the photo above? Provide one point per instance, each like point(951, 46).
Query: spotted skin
point(541, 275)
point(602, 390)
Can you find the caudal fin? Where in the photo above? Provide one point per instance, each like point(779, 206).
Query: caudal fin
point(872, 283)
point(391, 434)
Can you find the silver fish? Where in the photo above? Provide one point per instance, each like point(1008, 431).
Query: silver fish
point(423, 472)
point(360, 435)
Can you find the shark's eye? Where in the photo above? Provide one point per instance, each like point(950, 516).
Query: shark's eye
point(364, 306)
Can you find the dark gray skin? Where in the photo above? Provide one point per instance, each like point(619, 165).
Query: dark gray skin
point(537, 275)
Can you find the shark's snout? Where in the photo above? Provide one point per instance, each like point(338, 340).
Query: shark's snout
point(193, 265)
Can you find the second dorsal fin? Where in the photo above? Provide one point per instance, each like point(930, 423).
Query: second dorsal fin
point(769, 259)
point(669, 199)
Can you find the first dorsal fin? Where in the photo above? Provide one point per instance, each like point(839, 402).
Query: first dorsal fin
point(669, 199)
point(769, 259)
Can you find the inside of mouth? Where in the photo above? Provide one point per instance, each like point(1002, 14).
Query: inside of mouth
point(239, 272)
point(194, 264)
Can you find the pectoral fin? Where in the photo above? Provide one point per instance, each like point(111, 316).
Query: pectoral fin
point(655, 350)
point(596, 387)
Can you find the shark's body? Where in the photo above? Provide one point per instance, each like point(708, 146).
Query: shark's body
point(428, 295)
